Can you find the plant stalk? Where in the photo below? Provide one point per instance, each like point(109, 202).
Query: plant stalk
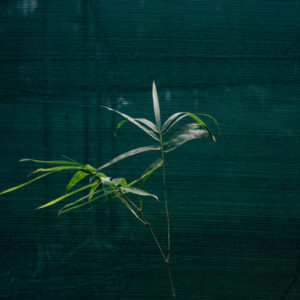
point(167, 258)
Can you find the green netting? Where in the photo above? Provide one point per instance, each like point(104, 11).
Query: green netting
point(234, 205)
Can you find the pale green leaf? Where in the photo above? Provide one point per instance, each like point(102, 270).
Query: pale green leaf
point(153, 166)
point(54, 162)
point(118, 181)
point(96, 184)
point(78, 176)
point(128, 154)
point(184, 134)
point(65, 196)
point(146, 122)
point(156, 106)
point(56, 169)
point(132, 120)
point(137, 191)
point(23, 184)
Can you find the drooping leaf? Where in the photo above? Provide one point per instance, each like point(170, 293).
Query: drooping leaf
point(198, 120)
point(83, 198)
point(56, 169)
point(65, 196)
point(78, 176)
point(146, 122)
point(23, 184)
point(54, 162)
point(175, 118)
point(208, 116)
point(137, 191)
point(118, 181)
point(156, 106)
point(62, 211)
point(132, 120)
point(108, 187)
point(128, 154)
point(95, 186)
point(153, 166)
point(186, 133)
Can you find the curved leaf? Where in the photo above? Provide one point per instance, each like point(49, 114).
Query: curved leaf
point(65, 196)
point(96, 184)
point(56, 169)
point(83, 198)
point(154, 166)
point(128, 154)
point(54, 162)
point(171, 121)
point(180, 115)
point(23, 184)
point(184, 134)
point(146, 122)
point(137, 191)
point(132, 120)
point(197, 119)
point(79, 175)
point(156, 106)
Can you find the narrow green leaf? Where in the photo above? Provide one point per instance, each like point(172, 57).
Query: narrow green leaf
point(79, 175)
point(153, 166)
point(23, 184)
point(56, 169)
point(156, 106)
point(65, 196)
point(180, 115)
point(107, 186)
point(80, 205)
point(128, 154)
point(208, 116)
point(54, 162)
point(146, 122)
point(186, 133)
point(83, 198)
point(132, 120)
point(96, 184)
point(137, 191)
point(171, 121)
point(197, 119)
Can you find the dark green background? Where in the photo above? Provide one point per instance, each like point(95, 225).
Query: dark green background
point(234, 205)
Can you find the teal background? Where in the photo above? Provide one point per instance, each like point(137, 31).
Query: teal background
point(234, 205)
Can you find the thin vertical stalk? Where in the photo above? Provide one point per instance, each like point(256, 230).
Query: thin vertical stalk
point(167, 215)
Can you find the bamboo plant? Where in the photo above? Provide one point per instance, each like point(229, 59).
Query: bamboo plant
point(101, 188)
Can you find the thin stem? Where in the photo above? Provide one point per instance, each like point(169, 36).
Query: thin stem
point(165, 195)
point(167, 259)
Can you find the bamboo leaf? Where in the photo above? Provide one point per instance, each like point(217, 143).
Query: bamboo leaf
point(56, 169)
point(54, 162)
point(171, 121)
point(146, 122)
point(83, 198)
point(180, 115)
point(128, 154)
point(156, 106)
point(96, 184)
point(184, 134)
point(23, 184)
point(80, 205)
point(154, 166)
point(65, 196)
point(79, 175)
point(198, 120)
point(132, 120)
point(137, 191)
point(117, 181)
